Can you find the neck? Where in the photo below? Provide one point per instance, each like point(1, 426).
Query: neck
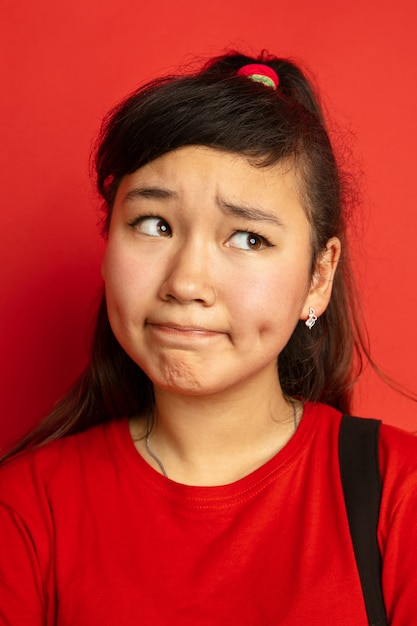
point(216, 440)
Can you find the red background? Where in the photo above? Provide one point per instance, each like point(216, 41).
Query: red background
point(64, 64)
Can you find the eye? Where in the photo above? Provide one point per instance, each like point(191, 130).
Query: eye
point(151, 226)
point(248, 241)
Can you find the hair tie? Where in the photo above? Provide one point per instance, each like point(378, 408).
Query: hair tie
point(260, 73)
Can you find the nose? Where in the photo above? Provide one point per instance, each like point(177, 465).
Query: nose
point(188, 276)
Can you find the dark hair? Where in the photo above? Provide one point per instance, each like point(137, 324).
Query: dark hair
point(215, 107)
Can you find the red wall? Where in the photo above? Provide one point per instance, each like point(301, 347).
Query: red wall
point(66, 63)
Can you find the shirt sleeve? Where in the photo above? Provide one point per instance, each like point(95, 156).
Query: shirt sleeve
point(398, 525)
point(22, 597)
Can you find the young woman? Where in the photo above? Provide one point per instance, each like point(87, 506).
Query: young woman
point(192, 473)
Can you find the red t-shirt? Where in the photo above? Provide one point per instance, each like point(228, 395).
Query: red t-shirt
point(91, 535)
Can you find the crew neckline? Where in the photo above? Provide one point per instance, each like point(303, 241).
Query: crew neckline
point(217, 495)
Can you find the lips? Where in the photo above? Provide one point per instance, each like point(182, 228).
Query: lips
point(185, 328)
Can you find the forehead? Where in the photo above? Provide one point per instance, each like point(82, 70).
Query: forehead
point(209, 171)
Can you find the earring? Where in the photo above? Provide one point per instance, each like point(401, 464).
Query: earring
point(312, 318)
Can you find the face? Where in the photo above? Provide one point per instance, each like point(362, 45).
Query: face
point(207, 270)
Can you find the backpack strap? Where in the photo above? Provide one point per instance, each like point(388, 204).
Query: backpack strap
point(361, 481)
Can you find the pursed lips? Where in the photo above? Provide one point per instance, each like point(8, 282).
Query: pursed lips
point(182, 328)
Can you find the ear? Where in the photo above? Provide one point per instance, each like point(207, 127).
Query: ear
point(322, 280)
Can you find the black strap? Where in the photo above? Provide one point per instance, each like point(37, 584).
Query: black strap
point(361, 480)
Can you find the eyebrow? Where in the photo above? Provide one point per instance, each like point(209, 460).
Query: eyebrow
point(254, 214)
point(150, 192)
point(251, 213)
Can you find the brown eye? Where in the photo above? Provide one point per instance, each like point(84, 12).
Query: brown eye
point(247, 241)
point(153, 227)
point(254, 242)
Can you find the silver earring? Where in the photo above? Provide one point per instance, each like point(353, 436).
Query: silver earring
point(312, 318)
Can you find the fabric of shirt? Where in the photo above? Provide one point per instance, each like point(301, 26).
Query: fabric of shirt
point(91, 535)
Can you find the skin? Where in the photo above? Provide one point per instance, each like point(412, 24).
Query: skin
point(207, 271)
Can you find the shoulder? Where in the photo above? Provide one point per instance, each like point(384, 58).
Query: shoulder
point(56, 466)
point(394, 441)
point(397, 449)
point(398, 461)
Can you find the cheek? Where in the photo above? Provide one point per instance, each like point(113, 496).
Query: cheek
point(126, 281)
point(272, 298)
